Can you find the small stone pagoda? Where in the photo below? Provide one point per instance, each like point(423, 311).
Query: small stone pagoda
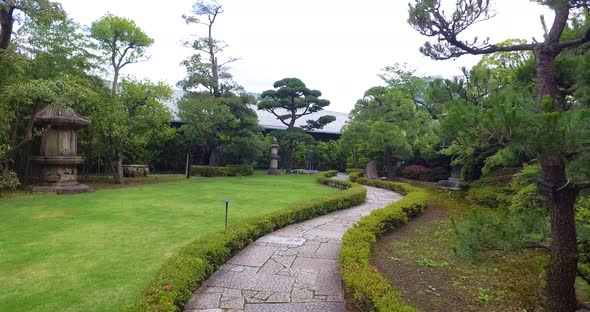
point(59, 158)
point(274, 157)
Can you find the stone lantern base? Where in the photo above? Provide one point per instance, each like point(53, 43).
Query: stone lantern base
point(59, 174)
point(63, 189)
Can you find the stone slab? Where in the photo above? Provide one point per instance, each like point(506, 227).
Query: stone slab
point(260, 282)
point(253, 255)
point(297, 307)
point(315, 265)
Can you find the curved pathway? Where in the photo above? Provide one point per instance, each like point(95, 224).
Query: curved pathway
point(292, 269)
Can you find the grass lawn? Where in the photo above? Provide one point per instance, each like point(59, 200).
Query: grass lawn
point(96, 252)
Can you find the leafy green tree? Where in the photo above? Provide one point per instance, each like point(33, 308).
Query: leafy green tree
point(552, 128)
point(224, 128)
point(41, 11)
point(56, 49)
point(212, 75)
point(123, 43)
point(353, 140)
point(147, 119)
point(21, 100)
point(391, 125)
point(329, 156)
point(290, 101)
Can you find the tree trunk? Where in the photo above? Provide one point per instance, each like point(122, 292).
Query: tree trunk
point(215, 69)
point(118, 172)
point(389, 161)
point(6, 24)
point(115, 82)
point(290, 152)
point(355, 157)
point(545, 66)
point(214, 66)
point(561, 272)
point(214, 159)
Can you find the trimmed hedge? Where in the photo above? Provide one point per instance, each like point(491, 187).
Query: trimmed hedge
point(354, 170)
point(354, 175)
point(368, 287)
point(174, 284)
point(227, 171)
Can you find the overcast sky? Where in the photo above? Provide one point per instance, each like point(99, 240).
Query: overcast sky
point(335, 46)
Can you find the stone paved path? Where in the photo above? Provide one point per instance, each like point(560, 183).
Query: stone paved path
point(292, 269)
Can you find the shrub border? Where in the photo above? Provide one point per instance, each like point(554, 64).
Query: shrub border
point(369, 288)
point(173, 285)
point(226, 171)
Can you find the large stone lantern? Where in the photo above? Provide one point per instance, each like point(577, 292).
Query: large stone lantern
point(59, 158)
point(274, 157)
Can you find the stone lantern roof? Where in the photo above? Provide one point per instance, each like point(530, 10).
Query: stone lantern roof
point(61, 116)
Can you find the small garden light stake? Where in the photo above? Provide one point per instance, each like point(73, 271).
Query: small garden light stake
point(226, 201)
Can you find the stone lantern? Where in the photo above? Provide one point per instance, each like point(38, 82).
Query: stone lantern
point(59, 158)
point(274, 157)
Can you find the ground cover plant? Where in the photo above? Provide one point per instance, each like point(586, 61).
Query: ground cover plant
point(421, 261)
point(98, 251)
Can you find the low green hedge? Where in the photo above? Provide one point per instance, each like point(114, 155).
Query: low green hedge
point(354, 170)
point(354, 175)
point(174, 284)
point(371, 290)
point(227, 171)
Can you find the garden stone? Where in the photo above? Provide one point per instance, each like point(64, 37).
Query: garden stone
point(371, 170)
point(134, 171)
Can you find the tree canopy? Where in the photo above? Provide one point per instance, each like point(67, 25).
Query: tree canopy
point(291, 100)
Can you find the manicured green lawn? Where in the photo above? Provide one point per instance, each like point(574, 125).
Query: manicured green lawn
point(97, 252)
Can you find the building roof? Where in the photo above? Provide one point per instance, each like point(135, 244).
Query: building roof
point(268, 121)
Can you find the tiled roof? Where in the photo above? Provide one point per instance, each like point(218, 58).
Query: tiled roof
point(268, 121)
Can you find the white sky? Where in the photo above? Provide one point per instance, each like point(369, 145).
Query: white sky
point(335, 46)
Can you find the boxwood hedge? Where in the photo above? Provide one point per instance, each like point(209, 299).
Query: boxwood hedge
point(175, 282)
point(227, 171)
point(368, 288)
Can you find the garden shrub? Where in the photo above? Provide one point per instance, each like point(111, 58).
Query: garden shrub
point(416, 172)
point(494, 190)
point(528, 198)
point(354, 175)
point(175, 282)
point(583, 210)
point(507, 231)
point(368, 288)
point(227, 171)
point(490, 196)
point(354, 170)
point(239, 170)
point(438, 173)
point(8, 181)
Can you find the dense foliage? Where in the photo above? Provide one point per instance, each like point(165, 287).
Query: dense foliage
point(227, 171)
point(289, 101)
point(55, 61)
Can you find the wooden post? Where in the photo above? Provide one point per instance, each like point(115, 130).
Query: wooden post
point(188, 166)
